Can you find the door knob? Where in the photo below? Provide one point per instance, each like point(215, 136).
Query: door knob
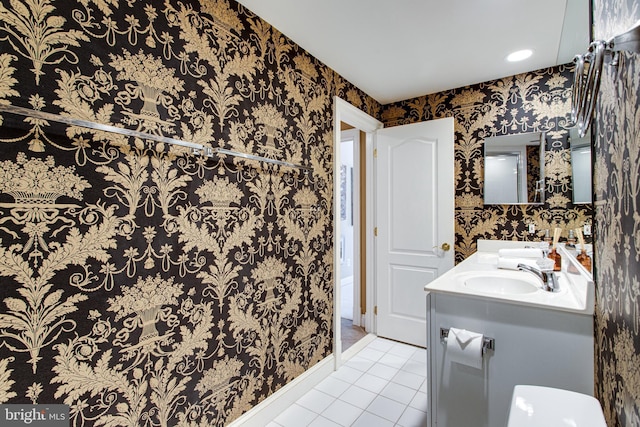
point(445, 247)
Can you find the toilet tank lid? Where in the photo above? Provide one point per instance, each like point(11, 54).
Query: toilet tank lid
point(538, 406)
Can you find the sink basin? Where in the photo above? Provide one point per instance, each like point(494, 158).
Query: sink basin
point(501, 284)
point(479, 277)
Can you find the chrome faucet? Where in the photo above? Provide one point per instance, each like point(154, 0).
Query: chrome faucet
point(549, 282)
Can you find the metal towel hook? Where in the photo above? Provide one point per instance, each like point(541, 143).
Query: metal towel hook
point(586, 84)
point(585, 88)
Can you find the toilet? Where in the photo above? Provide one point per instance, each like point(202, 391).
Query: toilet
point(537, 406)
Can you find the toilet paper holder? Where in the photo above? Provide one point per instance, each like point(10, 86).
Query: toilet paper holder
point(487, 343)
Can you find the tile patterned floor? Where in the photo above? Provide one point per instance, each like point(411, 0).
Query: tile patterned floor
point(383, 385)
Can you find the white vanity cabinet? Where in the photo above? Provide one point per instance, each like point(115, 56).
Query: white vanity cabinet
point(539, 338)
point(533, 346)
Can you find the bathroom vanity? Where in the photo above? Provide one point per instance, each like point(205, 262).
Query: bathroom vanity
point(531, 336)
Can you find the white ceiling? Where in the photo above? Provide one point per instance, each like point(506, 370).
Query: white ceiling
point(399, 49)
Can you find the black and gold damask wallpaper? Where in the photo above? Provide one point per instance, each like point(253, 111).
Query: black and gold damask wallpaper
point(143, 285)
point(530, 102)
point(617, 221)
point(140, 284)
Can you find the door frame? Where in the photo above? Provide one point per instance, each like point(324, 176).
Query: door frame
point(346, 112)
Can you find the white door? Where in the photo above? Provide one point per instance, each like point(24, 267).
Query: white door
point(415, 216)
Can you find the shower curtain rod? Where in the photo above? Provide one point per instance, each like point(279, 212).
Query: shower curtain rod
point(195, 148)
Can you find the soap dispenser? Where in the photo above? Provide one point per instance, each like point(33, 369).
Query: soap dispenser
point(582, 257)
point(571, 241)
point(553, 254)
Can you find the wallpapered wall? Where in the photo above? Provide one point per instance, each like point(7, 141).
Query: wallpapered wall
point(617, 222)
point(139, 284)
point(529, 102)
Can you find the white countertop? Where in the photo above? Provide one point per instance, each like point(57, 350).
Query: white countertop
point(576, 292)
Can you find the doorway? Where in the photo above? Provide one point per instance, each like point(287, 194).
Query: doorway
point(351, 250)
point(394, 286)
point(365, 126)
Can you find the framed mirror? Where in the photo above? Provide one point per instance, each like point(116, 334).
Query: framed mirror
point(514, 169)
point(580, 166)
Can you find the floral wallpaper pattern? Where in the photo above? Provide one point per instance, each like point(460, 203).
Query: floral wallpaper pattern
point(538, 101)
point(139, 283)
point(144, 285)
point(617, 215)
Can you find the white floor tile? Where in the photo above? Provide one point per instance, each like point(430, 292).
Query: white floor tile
point(358, 397)
point(342, 413)
point(371, 383)
point(323, 422)
point(332, 386)
point(386, 408)
point(381, 344)
point(295, 416)
point(423, 387)
point(415, 367)
point(420, 401)
point(393, 360)
point(371, 354)
point(403, 350)
point(315, 401)
point(347, 374)
point(408, 379)
point(420, 356)
point(368, 419)
point(399, 393)
point(383, 371)
point(413, 418)
point(360, 363)
point(381, 386)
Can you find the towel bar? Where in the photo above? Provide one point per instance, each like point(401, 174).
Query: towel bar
point(487, 343)
point(197, 149)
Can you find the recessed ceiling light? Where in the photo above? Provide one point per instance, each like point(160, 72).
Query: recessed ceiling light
point(519, 55)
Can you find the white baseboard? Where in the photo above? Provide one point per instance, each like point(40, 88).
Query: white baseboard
point(264, 412)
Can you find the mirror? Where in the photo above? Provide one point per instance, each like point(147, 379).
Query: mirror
point(513, 169)
point(580, 166)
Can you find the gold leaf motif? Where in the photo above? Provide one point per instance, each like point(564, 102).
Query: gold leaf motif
point(33, 181)
point(105, 6)
point(271, 125)
point(468, 99)
point(220, 376)
point(155, 85)
point(222, 13)
point(146, 294)
point(5, 381)
point(305, 199)
point(7, 81)
point(305, 66)
point(38, 37)
point(33, 392)
point(220, 192)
